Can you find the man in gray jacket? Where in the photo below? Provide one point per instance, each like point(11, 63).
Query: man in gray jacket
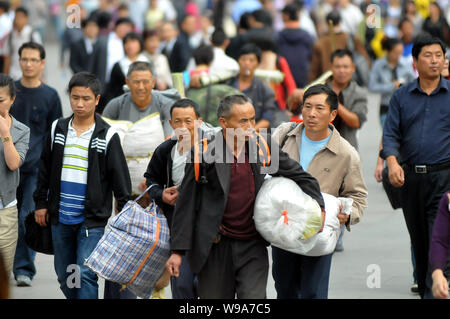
point(352, 109)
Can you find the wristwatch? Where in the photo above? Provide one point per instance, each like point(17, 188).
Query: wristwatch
point(6, 139)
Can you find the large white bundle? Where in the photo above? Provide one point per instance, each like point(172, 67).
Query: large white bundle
point(285, 216)
point(137, 167)
point(139, 141)
point(290, 219)
point(327, 239)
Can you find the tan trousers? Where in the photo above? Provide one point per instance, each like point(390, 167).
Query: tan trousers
point(9, 232)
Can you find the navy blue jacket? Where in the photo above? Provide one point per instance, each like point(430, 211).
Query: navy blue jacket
point(37, 108)
point(296, 46)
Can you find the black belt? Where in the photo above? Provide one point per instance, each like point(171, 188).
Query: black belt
point(424, 169)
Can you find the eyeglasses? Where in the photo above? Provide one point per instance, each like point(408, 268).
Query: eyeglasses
point(32, 61)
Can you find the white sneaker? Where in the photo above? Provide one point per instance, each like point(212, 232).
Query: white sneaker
point(23, 281)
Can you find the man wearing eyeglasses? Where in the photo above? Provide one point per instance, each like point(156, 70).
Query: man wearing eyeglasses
point(37, 105)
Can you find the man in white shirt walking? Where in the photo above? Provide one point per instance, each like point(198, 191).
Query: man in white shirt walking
point(21, 33)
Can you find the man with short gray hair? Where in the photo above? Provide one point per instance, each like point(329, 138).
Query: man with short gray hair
point(142, 100)
point(212, 223)
point(132, 106)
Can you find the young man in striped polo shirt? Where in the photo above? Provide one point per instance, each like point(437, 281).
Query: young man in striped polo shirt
point(82, 165)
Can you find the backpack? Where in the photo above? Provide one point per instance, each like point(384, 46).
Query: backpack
point(362, 74)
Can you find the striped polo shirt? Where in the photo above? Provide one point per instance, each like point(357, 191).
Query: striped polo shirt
point(74, 176)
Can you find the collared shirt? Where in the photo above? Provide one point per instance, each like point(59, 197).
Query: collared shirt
point(337, 166)
point(115, 53)
point(354, 98)
point(417, 127)
point(237, 219)
point(74, 175)
point(89, 45)
point(382, 78)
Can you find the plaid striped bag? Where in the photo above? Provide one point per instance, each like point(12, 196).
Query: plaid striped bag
point(134, 248)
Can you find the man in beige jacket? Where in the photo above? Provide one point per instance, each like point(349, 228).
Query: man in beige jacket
point(328, 157)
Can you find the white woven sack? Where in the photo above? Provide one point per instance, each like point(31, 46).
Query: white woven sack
point(139, 141)
point(144, 136)
point(285, 216)
point(327, 239)
point(137, 167)
point(140, 138)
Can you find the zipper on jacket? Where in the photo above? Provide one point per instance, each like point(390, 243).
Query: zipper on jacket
point(87, 233)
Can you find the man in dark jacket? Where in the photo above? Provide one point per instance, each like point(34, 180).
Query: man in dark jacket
point(257, 90)
point(82, 164)
point(81, 50)
point(37, 105)
point(108, 50)
point(295, 45)
point(166, 171)
point(181, 53)
point(213, 219)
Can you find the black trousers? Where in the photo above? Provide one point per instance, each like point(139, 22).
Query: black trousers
point(421, 194)
point(235, 268)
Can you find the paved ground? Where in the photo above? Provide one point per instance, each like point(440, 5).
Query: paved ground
point(379, 244)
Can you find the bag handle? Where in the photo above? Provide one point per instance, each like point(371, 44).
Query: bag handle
point(148, 188)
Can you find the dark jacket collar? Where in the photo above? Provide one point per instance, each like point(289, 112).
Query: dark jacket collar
point(100, 124)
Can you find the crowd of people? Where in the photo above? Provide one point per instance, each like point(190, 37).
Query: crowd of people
point(302, 69)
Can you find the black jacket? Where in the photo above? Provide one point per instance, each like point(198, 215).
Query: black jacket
point(180, 54)
point(107, 173)
point(296, 45)
point(97, 63)
point(79, 58)
point(200, 206)
point(159, 172)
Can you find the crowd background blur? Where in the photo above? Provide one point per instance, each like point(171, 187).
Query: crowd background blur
point(173, 30)
point(202, 39)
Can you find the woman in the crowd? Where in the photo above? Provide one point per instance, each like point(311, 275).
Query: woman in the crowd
point(14, 138)
point(133, 47)
point(436, 24)
point(439, 248)
point(160, 63)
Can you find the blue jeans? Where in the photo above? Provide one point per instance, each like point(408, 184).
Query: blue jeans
point(72, 245)
point(383, 119)
point(24, 256)
point(300, 277)
point(185, 285)
point(413, 261)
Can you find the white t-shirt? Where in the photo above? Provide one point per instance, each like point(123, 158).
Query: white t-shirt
point(115, 53)
point(221, 62)
point(13, 203)
point(179, 163)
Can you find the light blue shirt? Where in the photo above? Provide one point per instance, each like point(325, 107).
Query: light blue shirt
point(310, 148)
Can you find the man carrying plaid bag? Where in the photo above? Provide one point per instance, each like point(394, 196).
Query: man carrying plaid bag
point(82, 164)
